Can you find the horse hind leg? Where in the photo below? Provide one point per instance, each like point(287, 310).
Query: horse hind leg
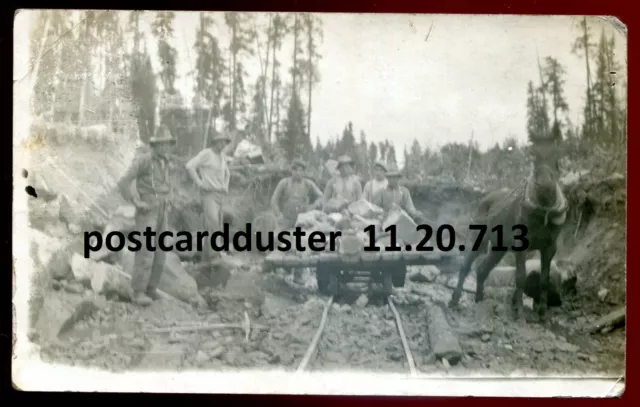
point(489, 262)
point(546, 255)
point(521, 276)
point(464, 272)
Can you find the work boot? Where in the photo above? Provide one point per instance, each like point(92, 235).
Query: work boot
point(142, 299)
point(153, 294)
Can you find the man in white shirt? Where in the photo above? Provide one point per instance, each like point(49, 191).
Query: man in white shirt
point(373, 188)
point(211, 174)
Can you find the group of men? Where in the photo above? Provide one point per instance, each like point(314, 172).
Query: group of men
point(210, 172)
point(297, 194)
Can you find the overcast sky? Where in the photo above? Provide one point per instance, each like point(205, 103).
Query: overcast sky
point(382, 73)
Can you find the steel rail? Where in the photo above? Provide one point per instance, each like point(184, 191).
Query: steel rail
point(314, 342)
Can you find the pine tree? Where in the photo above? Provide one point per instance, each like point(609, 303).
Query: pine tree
point(584, 45)
point(276, 34)
point(554, 82)
point(143, 87)
point(294, 139)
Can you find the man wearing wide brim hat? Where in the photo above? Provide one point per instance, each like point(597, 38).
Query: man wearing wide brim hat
point(396, 194)
point(152, 177)
point(221, 138)
point(373, 187)
point(298, 164)
point(209, 170)
point(343, 189)
point(162, 138)
point(295, 195)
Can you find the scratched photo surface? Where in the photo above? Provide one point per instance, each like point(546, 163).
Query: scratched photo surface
point(188, 121)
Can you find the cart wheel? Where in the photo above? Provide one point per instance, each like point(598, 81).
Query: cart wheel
point(387, 283)
point(399, 276)
point(322, 278)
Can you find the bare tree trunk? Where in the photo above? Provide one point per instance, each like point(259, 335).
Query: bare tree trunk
point(263, 81)
point(310, 90)
point(273, 81)
point(209, 119)
point(278, 110)
point(294, 69)
point(586, 54)
point(613, 105)
point(234, 59)
point(200, 118)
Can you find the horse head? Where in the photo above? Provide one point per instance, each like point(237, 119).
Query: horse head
point(546, 173)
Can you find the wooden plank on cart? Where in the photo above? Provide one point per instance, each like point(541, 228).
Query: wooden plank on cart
point(274, 259)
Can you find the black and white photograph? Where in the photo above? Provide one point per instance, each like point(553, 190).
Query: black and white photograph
point(319, 203)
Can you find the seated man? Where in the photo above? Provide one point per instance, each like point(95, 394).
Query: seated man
point(293, 195)
point(399, 195)
point(373, 187)
point(345, 187)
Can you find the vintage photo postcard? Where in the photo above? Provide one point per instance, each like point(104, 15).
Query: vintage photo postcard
point(301, 203)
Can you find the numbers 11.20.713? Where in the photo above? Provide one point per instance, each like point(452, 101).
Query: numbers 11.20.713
point(445, 238)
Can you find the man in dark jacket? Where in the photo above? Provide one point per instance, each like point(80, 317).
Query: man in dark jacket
point(151, 174)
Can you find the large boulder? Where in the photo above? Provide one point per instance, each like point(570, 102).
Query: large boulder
point(43, 246)
point(59, 264)
point(123, 220)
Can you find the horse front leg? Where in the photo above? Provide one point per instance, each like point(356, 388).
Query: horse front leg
point(521, 276)
point(546, 255)
point(464, 272)
point(484, 269)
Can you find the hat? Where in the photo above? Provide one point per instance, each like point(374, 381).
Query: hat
point(393, 172)
point(298, 163)
point(381, 165)
point(221, 137)
point(345, 159)
point(164, 136)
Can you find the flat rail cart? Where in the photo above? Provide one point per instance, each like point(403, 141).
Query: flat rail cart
point(334, 269)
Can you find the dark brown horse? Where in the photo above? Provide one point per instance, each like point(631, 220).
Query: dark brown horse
point(540, 206)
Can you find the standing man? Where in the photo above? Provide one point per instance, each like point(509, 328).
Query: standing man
point(399, 195)
point(373, 188)
point(151, 174)
point(345, 186)
point(210, 172)
point(293, 195)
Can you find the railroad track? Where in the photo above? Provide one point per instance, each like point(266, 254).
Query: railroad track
point(311, 350)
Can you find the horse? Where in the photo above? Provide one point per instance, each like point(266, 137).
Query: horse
point(541, 207)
